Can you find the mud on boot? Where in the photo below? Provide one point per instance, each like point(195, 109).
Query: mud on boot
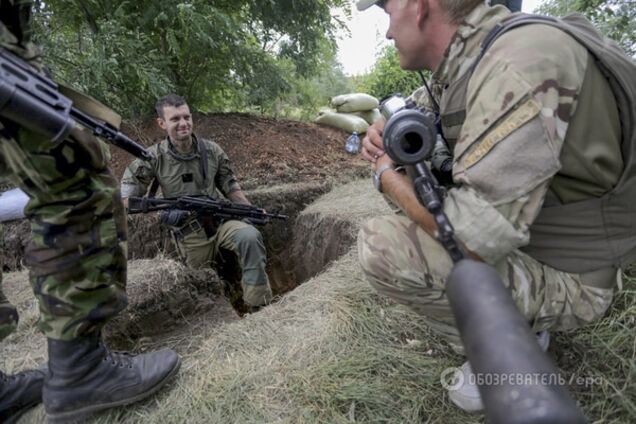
point(85, 377)
point(19, 392)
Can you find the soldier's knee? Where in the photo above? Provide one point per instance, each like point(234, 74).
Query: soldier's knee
point(372, 245)
point(248, 236)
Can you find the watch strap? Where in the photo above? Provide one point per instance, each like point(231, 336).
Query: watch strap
point(378, 174)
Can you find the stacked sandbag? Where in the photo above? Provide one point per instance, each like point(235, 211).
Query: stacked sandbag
point(352, 112)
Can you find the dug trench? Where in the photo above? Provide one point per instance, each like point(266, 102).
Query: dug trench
point(168, 299)
point(283, 166)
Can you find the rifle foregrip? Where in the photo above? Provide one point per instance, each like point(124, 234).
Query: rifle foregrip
point(123, 142)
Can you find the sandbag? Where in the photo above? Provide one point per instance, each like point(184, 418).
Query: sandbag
point(369, 115)
point(354, 102)
point(344, 121)
point(324, 110)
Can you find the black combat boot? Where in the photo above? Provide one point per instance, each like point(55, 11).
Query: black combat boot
point(85, 377)
point(18, 393)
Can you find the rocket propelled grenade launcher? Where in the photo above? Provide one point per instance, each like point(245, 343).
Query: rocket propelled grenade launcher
point(498, 340)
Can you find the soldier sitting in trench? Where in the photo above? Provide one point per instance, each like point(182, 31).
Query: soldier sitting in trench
point(185, 165)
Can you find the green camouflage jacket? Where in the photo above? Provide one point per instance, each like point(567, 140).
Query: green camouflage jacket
point(15, 30)
point(178, 175)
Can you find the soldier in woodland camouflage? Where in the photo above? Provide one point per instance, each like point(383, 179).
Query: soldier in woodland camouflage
point(185, 165)
point(77, 263)
point(535, 125)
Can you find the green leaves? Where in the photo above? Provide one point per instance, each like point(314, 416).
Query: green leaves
point(614, 18)
point(387, 77)
point(239, 54)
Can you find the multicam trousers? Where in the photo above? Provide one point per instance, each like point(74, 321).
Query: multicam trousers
point(235, 245)
point(77, 256)
point(404, 263)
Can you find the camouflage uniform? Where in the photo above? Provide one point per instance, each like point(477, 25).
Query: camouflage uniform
point(77, 257)
point(513, 153)
point(512, 5)
point(234, 243)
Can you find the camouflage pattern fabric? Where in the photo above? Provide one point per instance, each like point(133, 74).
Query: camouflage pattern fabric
point(237, 250)
point(515, 114)
point(404, 263)
point(512, 5)
point(180, 175)
point(15, 30)
point(77, 256)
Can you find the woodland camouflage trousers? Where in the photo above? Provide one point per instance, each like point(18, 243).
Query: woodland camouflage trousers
point(77, 256)
point(403, 262)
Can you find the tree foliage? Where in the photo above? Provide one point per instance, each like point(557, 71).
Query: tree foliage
point(387, 77)
point(223, 54)
point(614, 18)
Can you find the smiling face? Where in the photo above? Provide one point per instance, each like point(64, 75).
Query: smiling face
point(176, 122)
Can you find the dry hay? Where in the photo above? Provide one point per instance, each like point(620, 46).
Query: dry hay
point(162, 294)
point(14, 237)
point(25, 347)
point(333, 351)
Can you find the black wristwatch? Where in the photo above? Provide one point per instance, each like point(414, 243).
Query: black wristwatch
point(377, 176)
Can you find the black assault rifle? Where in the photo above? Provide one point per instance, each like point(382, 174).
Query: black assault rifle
point(34, 101)
point(204, 206)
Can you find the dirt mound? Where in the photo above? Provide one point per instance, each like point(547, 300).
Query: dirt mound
point(264, 151)
point(161, 294)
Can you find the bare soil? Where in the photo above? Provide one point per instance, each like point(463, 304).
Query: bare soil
point(264, 151)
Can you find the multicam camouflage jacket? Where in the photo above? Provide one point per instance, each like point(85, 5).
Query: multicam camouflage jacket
point(512, 137)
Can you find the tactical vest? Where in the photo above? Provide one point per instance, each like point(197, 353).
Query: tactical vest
point(591, 234)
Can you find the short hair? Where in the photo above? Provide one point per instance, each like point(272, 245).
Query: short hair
point(457, 10)
point(169, 100)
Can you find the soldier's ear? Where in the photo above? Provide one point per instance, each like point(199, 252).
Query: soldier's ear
point(161, 123)
point(421, 11)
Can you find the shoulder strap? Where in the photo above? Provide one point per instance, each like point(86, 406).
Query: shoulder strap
point(153, 188)
point(203, 155)
point(515, 21)
point(619, 69)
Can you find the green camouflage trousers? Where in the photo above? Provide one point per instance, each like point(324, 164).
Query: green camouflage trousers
point(238, 252)
point(77, 256)
point(404, 263)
